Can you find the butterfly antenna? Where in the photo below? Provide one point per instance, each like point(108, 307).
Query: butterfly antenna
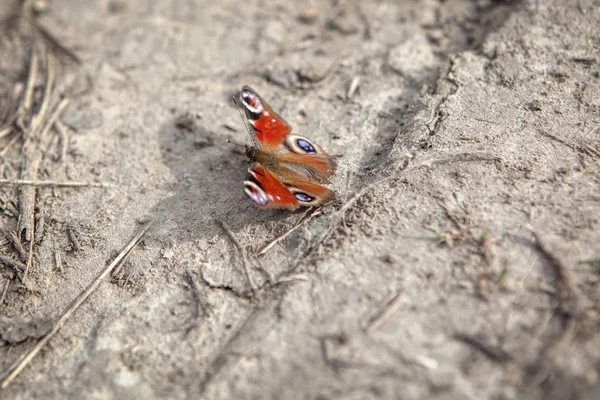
point(236, 143)
point(243, 119)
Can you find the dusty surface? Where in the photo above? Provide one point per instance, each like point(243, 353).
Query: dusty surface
point(475, 127)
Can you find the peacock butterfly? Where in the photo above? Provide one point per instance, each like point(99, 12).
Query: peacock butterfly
point(286, 170)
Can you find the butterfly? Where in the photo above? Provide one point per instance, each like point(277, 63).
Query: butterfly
point(286, 170)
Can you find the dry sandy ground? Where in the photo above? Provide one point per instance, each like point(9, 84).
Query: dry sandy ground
point(460, 262)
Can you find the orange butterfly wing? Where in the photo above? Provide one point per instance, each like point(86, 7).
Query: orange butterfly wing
point(266, 190)
point(268, 127)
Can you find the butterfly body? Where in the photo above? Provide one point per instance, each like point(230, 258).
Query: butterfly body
point(286, 170)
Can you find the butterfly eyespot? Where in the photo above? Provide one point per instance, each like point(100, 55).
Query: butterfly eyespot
point(306, 198)
point(307, 147)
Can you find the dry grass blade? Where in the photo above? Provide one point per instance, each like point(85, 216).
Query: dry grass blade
point(54, 118)
point(9, 145)
point(385, 314)
point(18, 246)
point(14, 371)
point(353, 87)
point(303, 220)
point(64, 140)
point(492, 352)
point(39, 118)
point(29, 259)
point(4, 291)
point(26, 223)
point(27, 102)
point(30, 182)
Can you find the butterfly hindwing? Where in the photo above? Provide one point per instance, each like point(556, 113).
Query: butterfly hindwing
point(304, 155)
point(311, 194)
point(266, 190)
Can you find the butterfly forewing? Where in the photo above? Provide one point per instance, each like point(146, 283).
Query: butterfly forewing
point(270, 129)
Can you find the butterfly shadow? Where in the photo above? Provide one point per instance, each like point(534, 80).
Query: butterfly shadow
point(207, 185)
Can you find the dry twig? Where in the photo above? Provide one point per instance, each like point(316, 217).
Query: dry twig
point(64, 140)
point(354, 84)
point(16, 368)
point(26, 222)
point(75, 245)
point(586, 149)
point(4, 291)
point(29, 259)
point(303, 220)
point(30, 182)
point(16, 242)
point(27, 101)
point(38, 120)
point(242, 253)
point(57, 258)
point(17, 266)
point(492, 352)
point(384, 314)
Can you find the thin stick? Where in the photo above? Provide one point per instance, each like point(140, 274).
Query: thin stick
point(493, 353)
point(75, 246)
point(64, 139)
point(4, 291)
point(9, 170)
point(354, 84)
point(37, 121)
point(29, 258)
point(25, 182)
point(57, 259)
point(581, 148)
point(9, 145)
point(19, 267)
point(14, 371)
point(390, 308)
point(27, 195)
point(16, 242)
point(59, 109)
point(242, 252)
point(9, 115)
point(115, 272)
point(31, 79)
point(303, 220)
point(6, 131)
